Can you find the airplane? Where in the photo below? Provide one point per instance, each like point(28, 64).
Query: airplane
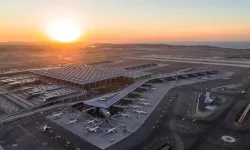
point(111, 140)
point(141, 112)
point(94, 129)
point(146, 104)
point(135, 106)
point(79, 116)
point(91, 121)
point(243, 92)
point(222, 89)
point(72, 121)
point(141, 99)
point(204, 78)
point(121, 125)
point(56, 115)
point(111, 130)
point(125, 115)
point(172, 83)
point(43, 128)
point(102, 99)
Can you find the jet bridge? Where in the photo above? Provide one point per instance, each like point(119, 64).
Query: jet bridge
point(131, 88)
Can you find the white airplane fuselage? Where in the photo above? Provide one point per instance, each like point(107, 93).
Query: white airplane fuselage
point(72, 122)
point(44, 128)
point(92, 129)
point(111, 130)
point(141, 112)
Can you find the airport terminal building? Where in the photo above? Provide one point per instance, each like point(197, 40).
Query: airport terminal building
point(91, 76)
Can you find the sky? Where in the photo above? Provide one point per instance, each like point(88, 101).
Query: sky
point(129, 21)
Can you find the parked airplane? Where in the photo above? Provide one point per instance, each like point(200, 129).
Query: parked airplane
point(141, 112)
point(44, 128)
point(56, 115)
point(135, 106)
point(126, 115)
point(94, 129)
point(111, 140)
point(141, 99)
point(243, 92)
point(111, 130)
point(92, 121)
point(145, 103)
point(72, 121)
point(173, 83)
point(204, 78)
point(102, 99)
point(121, 125)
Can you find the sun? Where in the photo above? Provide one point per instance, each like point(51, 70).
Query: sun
point(63, 30)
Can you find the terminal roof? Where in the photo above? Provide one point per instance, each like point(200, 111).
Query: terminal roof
point(83, 74)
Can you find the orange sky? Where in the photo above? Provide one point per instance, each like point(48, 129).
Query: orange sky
point(124, 22)
point(137, 34)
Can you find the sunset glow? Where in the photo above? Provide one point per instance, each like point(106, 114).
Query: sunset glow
point(125, 21)
point(63, 30)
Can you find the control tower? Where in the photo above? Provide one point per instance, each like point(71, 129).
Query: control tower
point(208, 99)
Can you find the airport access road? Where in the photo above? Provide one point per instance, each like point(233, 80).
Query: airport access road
point(27, 114)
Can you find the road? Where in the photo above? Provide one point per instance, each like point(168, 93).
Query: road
point(194, 61)
point(6, 120)
point(30, 113)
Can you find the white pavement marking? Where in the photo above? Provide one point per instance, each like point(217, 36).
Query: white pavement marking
point(30, 134)
point(228, 138)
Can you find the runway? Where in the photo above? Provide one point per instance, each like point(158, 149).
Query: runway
point(197, 61)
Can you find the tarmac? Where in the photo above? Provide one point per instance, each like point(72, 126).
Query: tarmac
point(210, 132)
point(134, 124)
point(25, 132)
point(220, 63)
